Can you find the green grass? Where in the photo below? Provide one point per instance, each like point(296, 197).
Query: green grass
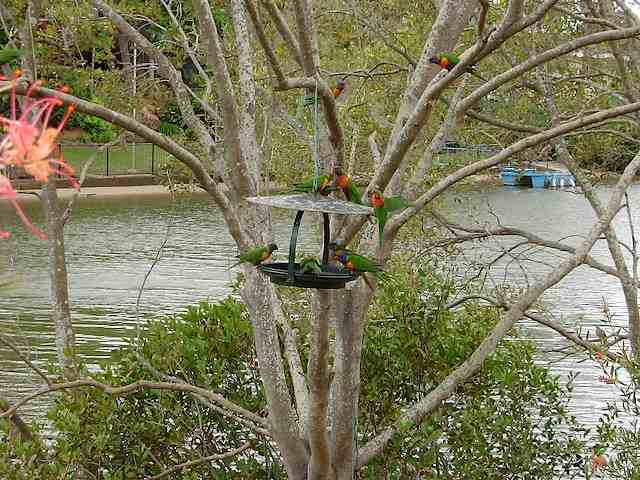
point(120, 159)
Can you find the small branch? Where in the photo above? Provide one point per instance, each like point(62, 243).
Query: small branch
point(7, 342)
point(132, 388)
point(200, 461)
point(519, 146)
point(83, 175)
point(264, 41)
point(21, 427)
point(251, 421)
point(546, 56)
point(592, 347)
point(283, 29)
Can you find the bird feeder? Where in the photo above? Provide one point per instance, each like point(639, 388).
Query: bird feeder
point(288, 273)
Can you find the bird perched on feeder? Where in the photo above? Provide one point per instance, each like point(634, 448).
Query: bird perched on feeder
point(256, 255)
point(344, 183)
point(448, 61)
point(320, 184)
point(356, 263)
point(9, 54)
point(382, 207)
point(310, 265)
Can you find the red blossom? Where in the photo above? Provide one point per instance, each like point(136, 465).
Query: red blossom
point(30, 143)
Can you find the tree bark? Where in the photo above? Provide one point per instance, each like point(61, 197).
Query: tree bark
point(60, 309)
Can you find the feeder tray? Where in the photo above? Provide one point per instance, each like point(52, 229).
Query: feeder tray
point(287, 273)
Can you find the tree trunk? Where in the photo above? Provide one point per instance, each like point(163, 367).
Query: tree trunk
point(60, 311)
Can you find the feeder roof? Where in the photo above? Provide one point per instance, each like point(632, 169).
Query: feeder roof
point(312, 202)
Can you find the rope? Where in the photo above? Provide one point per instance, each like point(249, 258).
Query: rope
point(354, 454)
point(316, 137)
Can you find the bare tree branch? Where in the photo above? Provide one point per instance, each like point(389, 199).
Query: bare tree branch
point(523, 144)
point(242, 173)
point(283, 28)
point(200, 461)
point(8, 343)
point(127, 389)
point(546, 56)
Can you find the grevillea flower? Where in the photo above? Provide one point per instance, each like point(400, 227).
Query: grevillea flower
point(7, 192)
point(30, 143)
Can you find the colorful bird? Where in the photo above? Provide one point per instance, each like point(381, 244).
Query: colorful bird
point(321, 185)
point(310, 99)
point(9, 54)
point(599, 460)
point(448, 61)
point(339, 88)
point(382, 207)
point(357, 263)
point(310, 265)
point(347, 186)
point(256, 255)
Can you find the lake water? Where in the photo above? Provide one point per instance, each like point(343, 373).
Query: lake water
point(111, 243)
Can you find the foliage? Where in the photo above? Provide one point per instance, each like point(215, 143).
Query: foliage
point(510, 421)
point(133, 436)
point(618, 430)
point(492, 425)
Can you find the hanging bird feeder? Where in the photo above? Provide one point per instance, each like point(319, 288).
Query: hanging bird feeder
point(288, 273)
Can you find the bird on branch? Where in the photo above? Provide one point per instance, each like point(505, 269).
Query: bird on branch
point(448, 61)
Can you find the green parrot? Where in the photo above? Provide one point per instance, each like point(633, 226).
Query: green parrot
point(448, 61)
point(382, 207)
point(322, 185)
point(310, 265)
point(347, 186)
point(9, 54)
point(256, 255)
point(357, 263)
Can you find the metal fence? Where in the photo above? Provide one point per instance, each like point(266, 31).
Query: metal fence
point(126, 159)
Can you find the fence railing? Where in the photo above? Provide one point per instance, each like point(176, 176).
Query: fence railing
point(126, 159)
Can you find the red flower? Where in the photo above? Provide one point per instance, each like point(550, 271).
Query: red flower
point(31, 144)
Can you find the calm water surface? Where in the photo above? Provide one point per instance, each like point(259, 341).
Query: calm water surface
point(111, 244)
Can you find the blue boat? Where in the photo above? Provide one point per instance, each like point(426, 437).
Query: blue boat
point(530, 177)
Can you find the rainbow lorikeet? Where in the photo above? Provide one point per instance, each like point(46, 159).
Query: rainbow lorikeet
point(344, 183)
point(382, 207)
point(448, 61)
point(357, 263)
point(256, 255)
point(309, 100)
point(339, 88)
point(321, 184)
point(9, 54)
point(310, 265)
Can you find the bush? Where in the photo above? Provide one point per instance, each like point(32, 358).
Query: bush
point(510, 421)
